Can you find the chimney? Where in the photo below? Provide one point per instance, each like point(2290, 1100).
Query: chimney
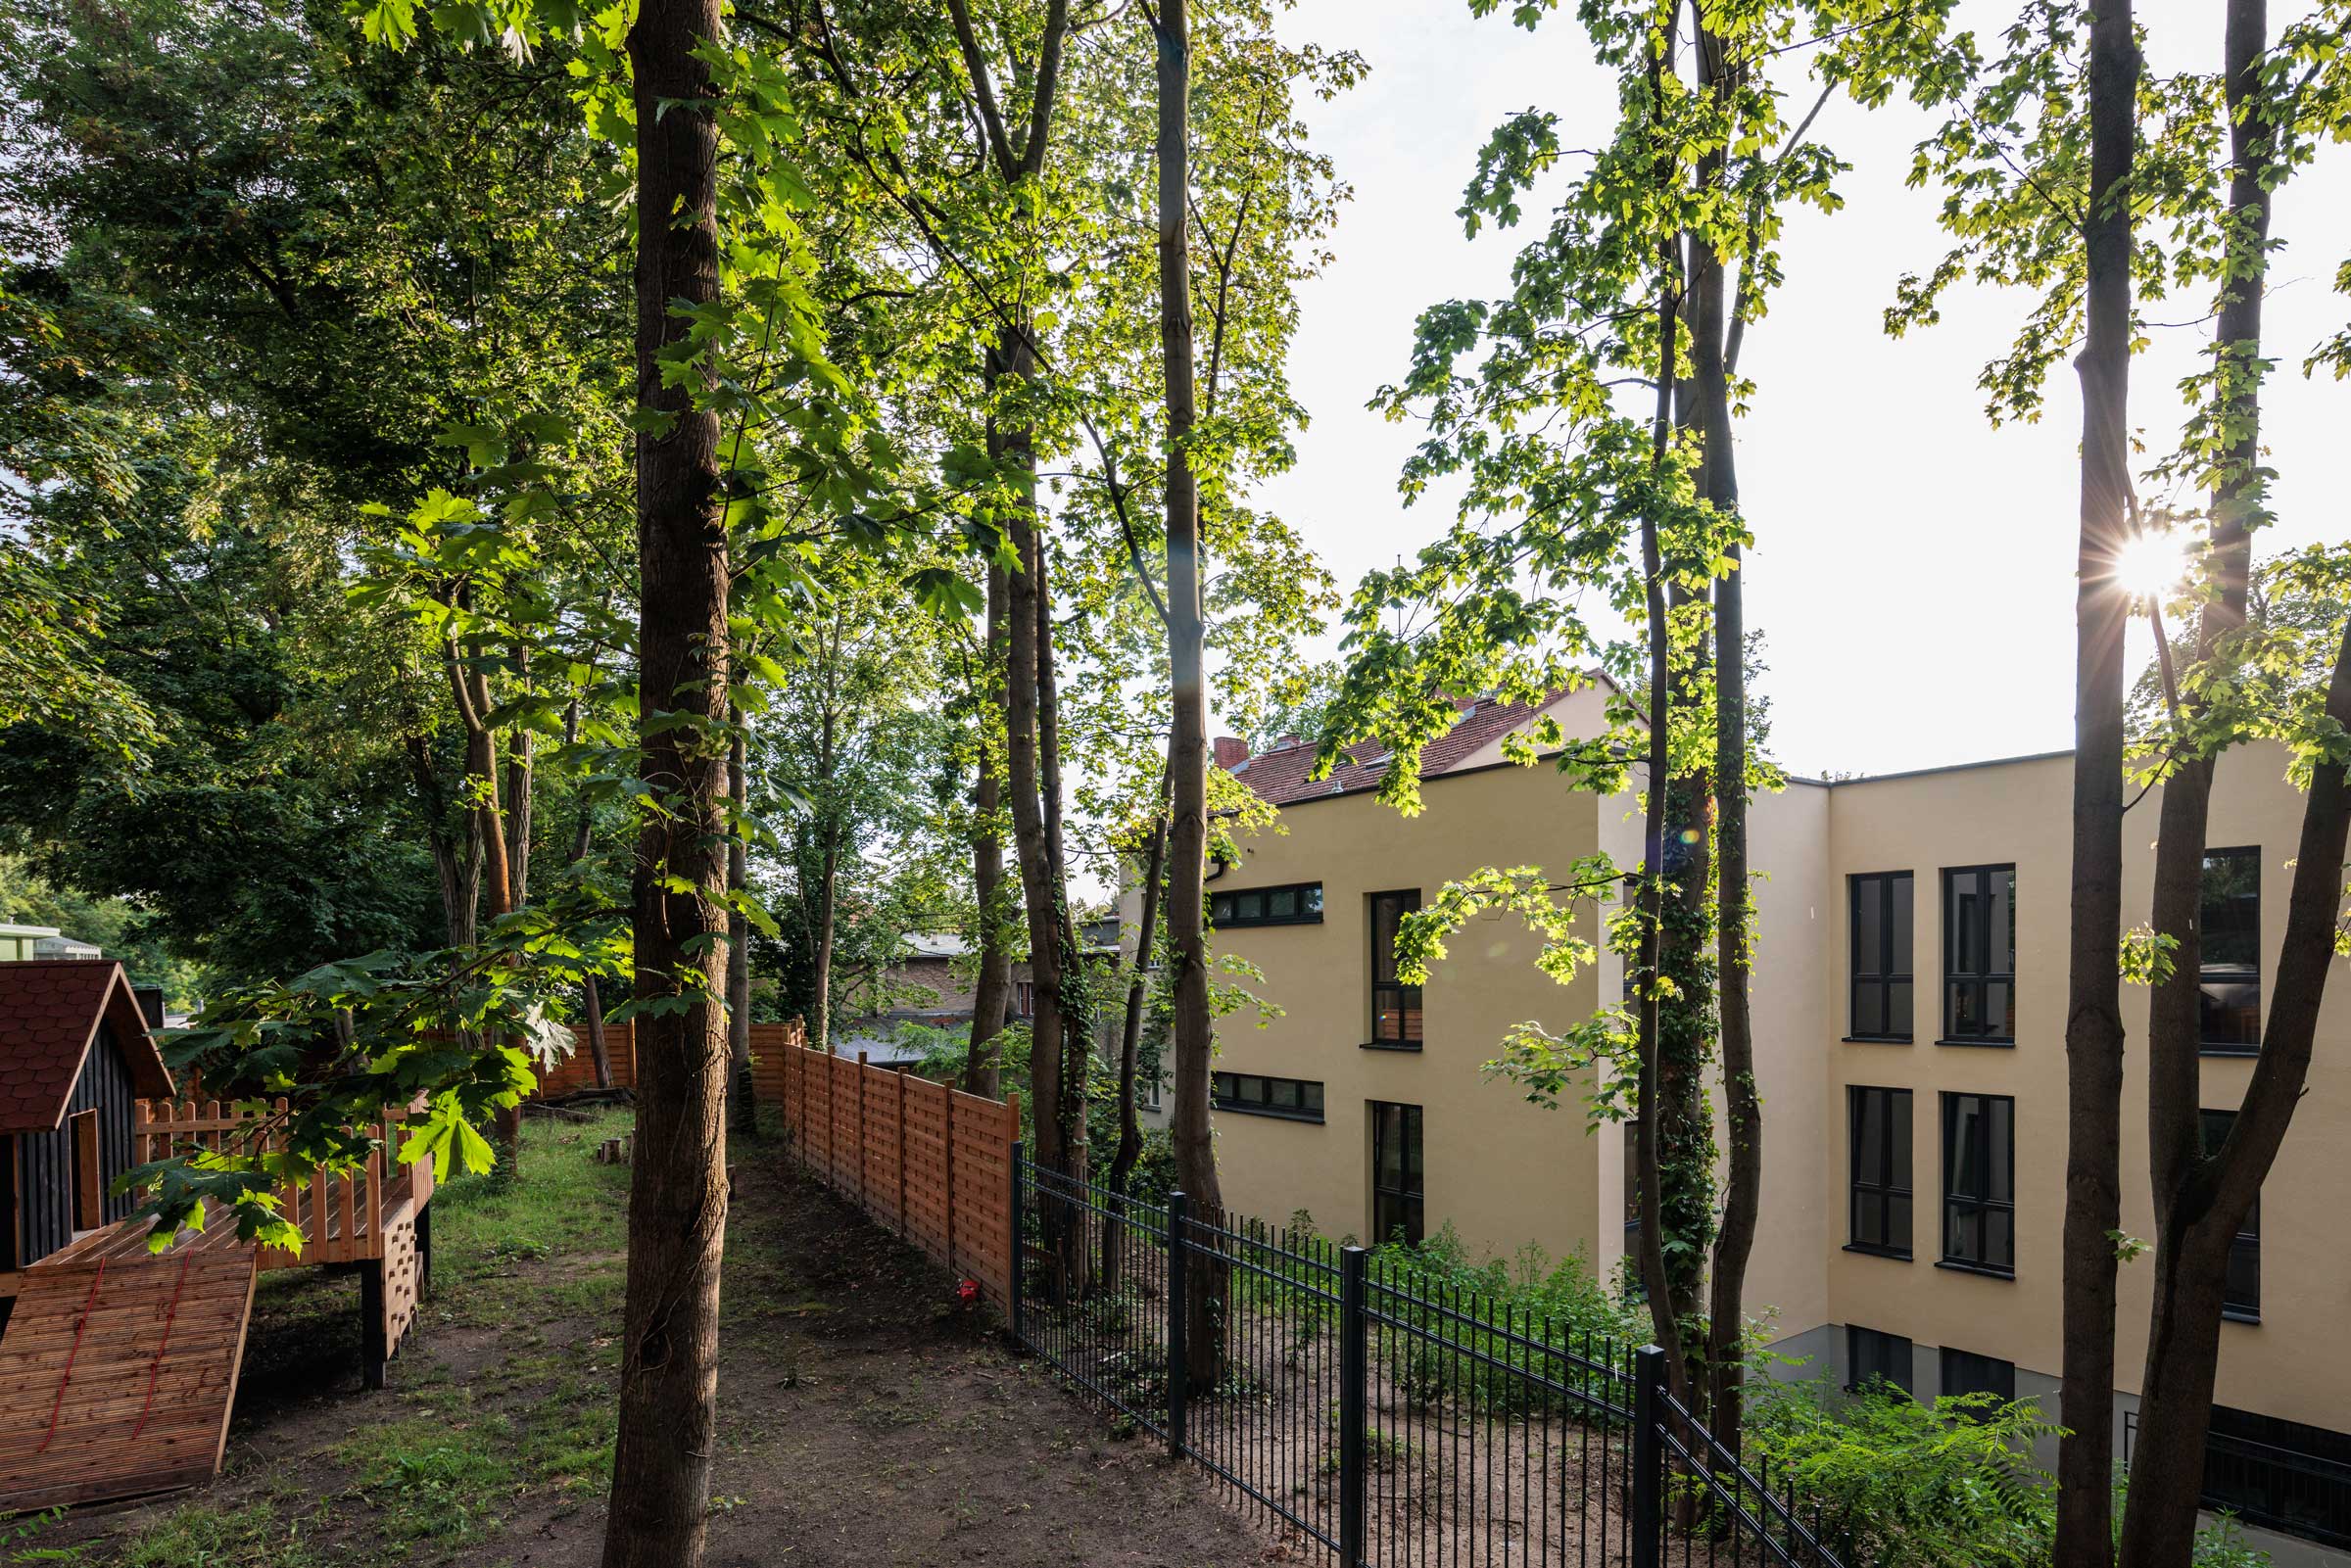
point(1285, 742)
point(151, 1004)
point(1231, 751)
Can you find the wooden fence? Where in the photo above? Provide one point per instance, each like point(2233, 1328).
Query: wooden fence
point(577, 1072)
point(932, 1162)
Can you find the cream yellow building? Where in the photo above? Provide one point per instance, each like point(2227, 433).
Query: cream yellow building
point(1909, 1009)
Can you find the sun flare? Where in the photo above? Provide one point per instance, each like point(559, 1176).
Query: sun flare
point(2150, 565)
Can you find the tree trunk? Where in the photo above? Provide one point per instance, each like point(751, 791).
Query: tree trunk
point(1647, 1157)
point(520, 775)
point(1130, 1040)
point(1194, 1030)
point(459, 873)
point(991, 987)
point(677, 1181)
point(744, 1114)
point(471, 691)
point(2094, 1031)
point(1718, 486)
point(592, 1002)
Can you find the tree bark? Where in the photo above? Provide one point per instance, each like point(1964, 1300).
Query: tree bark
point(2094, 1031)
point(459, 873)
point(1718, 486)
point(1193, 1035)
point(678, 1184)
point(470, 691)
point(520, 775)
point(592, 1002)
point(1651, 895)
point(991, 987)
point(744, 1116)
point(1130, 1151)
point(2198, 1207)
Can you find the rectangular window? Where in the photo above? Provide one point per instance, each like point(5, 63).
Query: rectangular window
point(1966, 1373)
point(1879, 1140)
point(2228, 1002)
point(1395, 1007)
point(1291, 904)
point(2240, 1295)
point(1253, 1094)
point(2280, 1475)
point(1875, 1361)
point(1395, 1172)
point(1979, 1182)
point(1881, 1001)
point(1979, 955)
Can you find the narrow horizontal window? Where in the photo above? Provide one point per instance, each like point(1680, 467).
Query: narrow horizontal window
point(1290, 904)
point(1255, 1094)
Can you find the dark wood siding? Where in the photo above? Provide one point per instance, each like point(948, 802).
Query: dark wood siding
point(45, 1159)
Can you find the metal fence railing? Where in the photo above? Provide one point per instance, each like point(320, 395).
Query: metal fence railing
point(1377, 1416)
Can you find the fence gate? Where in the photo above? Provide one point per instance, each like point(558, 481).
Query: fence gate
point(1375, 1415)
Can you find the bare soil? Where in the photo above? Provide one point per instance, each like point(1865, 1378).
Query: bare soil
point(867, 1419)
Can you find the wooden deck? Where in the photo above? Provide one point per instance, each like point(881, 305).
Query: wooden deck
point(118, 1366)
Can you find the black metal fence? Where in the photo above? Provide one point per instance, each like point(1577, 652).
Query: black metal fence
point(1388, 1420)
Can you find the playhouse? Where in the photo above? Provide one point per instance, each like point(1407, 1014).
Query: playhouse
point(118, 1362)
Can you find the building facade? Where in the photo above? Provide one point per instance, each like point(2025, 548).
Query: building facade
point(1909, 1013)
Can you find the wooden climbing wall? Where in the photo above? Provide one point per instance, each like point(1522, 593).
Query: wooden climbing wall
point(402, 1279)
point(117, 1376)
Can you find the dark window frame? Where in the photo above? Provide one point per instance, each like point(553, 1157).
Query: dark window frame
point(1979, 981)
point(1225, 1093)
point(1407, 1001)
point(2211, 975)
point(1889, 1357)
point(1230, 920)
point(2273, 1473)
point(1883, 1181)
point(1408, 1199)
point(1887, 969)
point(2238, 1305)
point(1981, 1204)
point(1983, 1374)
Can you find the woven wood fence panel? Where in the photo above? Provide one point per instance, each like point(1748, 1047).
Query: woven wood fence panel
point(931, 1162)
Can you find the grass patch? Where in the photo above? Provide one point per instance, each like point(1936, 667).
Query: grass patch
point(433, 1479)
point(487, 1228)
point(255, 1536)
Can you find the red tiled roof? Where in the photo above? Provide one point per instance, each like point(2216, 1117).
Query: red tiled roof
point(49, 1014)
point(1280, 775)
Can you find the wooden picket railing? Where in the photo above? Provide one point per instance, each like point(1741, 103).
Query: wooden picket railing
point(932, 1162)
point(341, 1215)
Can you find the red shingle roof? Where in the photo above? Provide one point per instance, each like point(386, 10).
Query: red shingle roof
point(1280, 775)
point(49, 1014)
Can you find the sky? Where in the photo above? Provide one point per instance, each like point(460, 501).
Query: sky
point(1912, 571)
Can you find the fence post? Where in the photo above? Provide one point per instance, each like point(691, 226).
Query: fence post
point(1013, 1287)
point(1649, 1457)
point(1178, 1374)
point(1354, 1373)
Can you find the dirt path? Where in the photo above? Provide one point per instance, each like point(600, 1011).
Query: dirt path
point(866, 1419)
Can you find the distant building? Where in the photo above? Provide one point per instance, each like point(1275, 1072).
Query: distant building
point(1909, 1004)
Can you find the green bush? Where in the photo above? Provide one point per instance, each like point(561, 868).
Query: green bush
point(1947, 1486)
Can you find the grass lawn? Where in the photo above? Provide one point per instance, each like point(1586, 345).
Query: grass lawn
point(865, 1419)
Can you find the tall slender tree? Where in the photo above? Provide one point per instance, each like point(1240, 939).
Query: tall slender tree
point(678, 1182)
